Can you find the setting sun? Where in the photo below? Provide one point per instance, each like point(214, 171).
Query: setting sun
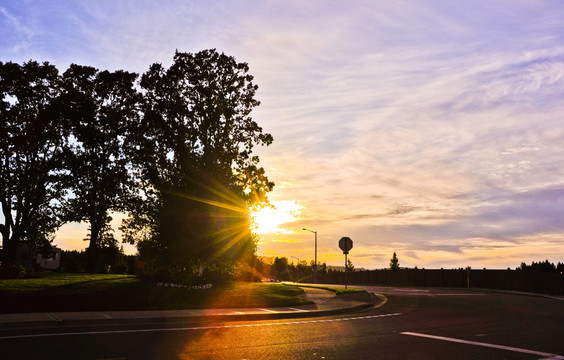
point(271, 218)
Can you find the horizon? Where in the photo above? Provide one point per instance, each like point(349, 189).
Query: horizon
point(433, 130)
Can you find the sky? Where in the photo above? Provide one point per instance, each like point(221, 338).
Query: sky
point(433, 129)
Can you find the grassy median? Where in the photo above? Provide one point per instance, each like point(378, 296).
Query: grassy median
point(336, 290)
point(101, 292)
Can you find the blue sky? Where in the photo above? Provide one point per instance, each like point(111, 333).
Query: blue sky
point(434, 129)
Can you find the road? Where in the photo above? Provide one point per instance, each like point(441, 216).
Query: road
point(413, 324)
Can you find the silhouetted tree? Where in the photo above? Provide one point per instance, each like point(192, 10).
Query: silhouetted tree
point(280, 268)
point(199, 178)
point(322, 269)
point(541, 266)
point(350, 266)
point(101, 110)
point(304, 269)
point(394, 262)
point(31, 144)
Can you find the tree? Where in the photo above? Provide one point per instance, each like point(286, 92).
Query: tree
point(322, 270)
point(199, 178)
point(280, 268)
point(350, 266)
point(394, 262)
point(304, 269)
point(31, 146)
point(545, 266)
point(100, 108)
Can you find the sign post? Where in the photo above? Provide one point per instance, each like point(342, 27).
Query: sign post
point(345, 244)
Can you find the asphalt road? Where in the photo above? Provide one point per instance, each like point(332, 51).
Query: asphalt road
point(413, 324)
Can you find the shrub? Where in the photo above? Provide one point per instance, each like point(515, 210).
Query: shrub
point(244, 272)
point(120, 269)
point(13, 270)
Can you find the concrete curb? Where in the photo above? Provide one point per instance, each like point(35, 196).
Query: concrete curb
point(52, 320)
point(518, 293)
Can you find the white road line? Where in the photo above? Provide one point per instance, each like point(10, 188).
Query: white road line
point(52, 316)
point(501, 347)
point(296, 309)
point(195, 328)
point(457, 294)
point(271, 311)
point(412, 290)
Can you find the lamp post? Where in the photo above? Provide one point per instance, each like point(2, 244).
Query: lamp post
point(298, 264)
point(315, 265)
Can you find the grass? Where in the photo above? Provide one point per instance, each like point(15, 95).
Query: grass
point(61, 281)
point(337, 291)
point(101, 292)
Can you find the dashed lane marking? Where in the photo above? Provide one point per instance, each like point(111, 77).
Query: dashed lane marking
point(196, 328)
point(501, 347)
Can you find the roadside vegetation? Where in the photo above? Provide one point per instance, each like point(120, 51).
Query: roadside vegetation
point(107, 292)
point(337, 291)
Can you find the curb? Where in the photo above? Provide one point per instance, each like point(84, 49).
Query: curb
point(376, 300)
point(519, 293)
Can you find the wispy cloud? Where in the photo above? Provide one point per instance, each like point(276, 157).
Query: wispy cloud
point(17, 36)
point(433, 128)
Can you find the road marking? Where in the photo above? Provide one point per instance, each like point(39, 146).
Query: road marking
point(457, 294)
point(271, 311)
point(412, 290)
point(196, 328)
point(52, 316)
point(296, 309)
point(501, 347)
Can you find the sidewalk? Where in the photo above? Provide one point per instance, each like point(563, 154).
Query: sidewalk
point(325, 303)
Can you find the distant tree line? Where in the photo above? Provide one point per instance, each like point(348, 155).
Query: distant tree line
point(117, 262)
point(279, 268)
point(543, 266)
point(172, 149)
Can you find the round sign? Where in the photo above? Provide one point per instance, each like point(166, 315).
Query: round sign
point(345, 244)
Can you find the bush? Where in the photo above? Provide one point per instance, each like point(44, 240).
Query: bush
point(13, 270)
point(73, 261)
point(119, 269)
point(248, 276)
point(29, 272)
point(218, 274)
point(244, 272)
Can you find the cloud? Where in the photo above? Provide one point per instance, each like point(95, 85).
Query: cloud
point(436, 129)
point(284, 240)
point(17, 36)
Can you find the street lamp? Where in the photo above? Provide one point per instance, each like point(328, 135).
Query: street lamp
point(298, 264)
point(315, 265)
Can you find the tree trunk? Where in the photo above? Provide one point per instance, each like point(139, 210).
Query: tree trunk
point(9, 245)
point(93, 263)
point(9, 238)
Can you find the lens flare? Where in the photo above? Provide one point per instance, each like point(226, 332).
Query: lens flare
point(271, 219)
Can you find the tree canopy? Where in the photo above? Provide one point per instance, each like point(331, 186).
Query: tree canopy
point(195, 159)
point(32, 140)
point(173, 151)
point(100, 109)
point(394, 262)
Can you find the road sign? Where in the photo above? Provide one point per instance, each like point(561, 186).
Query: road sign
point(345, 244)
